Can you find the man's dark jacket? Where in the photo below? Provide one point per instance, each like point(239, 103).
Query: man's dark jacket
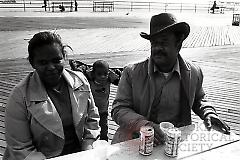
point(136, 92)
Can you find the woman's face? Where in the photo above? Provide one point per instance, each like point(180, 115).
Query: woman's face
point(49, 63)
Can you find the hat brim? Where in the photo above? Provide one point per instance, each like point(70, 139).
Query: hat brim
point(181, 27)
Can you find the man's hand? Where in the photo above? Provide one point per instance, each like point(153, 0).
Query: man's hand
point(87, 144)
point(159, 137)
point(213, 120)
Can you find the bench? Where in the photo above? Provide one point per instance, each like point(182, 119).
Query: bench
point(217, 10)
point(62, 6)
point(236, 19)
point(103, 6)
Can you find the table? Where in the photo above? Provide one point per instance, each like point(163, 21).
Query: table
point(197, 143)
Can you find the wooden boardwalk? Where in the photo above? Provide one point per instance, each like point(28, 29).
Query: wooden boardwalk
point(116, 40)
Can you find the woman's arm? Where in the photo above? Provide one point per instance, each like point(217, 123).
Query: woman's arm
point(18, 134)
point(91, 127)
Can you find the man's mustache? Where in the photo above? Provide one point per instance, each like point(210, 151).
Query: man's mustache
point(160, 54)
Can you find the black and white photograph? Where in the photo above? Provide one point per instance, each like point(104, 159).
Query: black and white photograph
point(119, 79)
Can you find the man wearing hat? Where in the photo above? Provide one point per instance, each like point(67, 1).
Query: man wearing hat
point(165, 87)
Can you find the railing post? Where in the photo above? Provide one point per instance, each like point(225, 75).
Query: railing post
point(49, 5)
point(181, 8)
point(113, 5)
point(149, 6)
point(131, 6)
point(195, 8)
point(71, 7)
point(45, 5)
point(76, 5)
point(234, 8)
point(103, 6)
point(165, 7)
point(52, 6)
point(24, 7)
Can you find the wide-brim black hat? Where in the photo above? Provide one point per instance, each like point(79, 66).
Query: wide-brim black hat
point(166, 22)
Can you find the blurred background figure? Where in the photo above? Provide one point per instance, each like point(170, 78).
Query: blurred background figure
point(100, 77)
point(214, 7)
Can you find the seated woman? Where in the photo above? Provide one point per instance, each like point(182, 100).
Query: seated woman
point(52, 111)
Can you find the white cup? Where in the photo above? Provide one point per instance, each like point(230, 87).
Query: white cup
point(165, 126)
point(100, 149)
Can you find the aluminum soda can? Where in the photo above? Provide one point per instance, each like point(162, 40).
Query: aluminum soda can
point(173, 140)
point(146, 140)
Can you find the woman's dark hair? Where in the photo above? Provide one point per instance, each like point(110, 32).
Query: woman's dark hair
point(43, 38)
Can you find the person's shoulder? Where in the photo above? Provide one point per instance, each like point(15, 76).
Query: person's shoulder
point(20, 90)
point(192, 65)
point(24, 83)
point(137, 66)
point(194, 68)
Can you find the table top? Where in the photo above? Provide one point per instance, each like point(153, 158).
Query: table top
point(197, 143)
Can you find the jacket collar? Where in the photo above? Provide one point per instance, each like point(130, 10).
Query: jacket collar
point(35, 84)
point(183, 66)
point(176, 69)
point(73, 80)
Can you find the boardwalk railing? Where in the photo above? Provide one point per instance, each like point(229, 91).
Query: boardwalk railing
point(121, 6)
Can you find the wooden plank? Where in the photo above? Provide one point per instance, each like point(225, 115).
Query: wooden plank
point(2, 150)
point(2, 130)
point(3, 143)
point(2, 136)
point(2, 119)
point(2, 124)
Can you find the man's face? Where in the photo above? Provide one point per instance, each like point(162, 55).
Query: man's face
point(49, 63)
point(101, 74)
point(164, 51)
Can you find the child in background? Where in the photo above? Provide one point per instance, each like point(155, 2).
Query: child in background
point(100, 77)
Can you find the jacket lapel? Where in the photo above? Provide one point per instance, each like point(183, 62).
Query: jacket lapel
point(185, 77)
point(41, 107)
point(151, 87)
point(79, 101)
point(78, 94)
point(185, 111)
point(46, 114)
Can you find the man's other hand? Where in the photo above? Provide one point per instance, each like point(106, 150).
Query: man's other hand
point(212, 120)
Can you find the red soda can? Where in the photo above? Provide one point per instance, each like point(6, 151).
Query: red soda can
point(146, 140)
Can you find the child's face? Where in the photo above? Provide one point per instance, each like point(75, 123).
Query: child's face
point(101, 74)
